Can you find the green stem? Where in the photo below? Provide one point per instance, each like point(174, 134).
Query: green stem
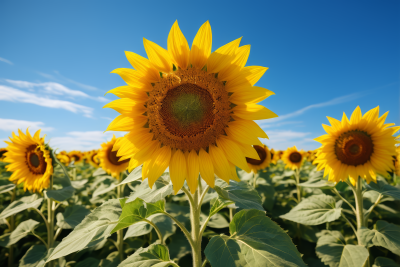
point(348, 203)
point(255, 180)
point(230, 214)
point(204, 263)
point(195, 223)
point(297, 176)
point(157, 231)
point(183, 228)
point(50, 221)
point(120, 233)
point(44, 242)
point(359, 206)
point(352, 227)
point(12, 227)
point(369, 211)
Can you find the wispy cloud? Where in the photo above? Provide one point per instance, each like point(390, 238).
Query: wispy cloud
point(58, 77)
point(287, 138)
point(6, 61)
point(82, 140)
point(54, 89)
point(9, 125)
point(14, 95)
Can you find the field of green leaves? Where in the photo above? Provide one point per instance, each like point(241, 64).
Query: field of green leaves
point(145, 227)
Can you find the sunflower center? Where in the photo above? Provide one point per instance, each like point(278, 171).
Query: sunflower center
point(261, 153)
point(295, 157)
point(2, 152)
point(188, 109)
point(114, 159)
point(354, 148)
point(35, 160)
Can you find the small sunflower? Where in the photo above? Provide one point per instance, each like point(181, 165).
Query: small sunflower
point(63, 158)
point(109, 160)
point(75, 156)
point(93, 158)
point(189, 109)
point(362, 146)
point(292, 158)
point(274, 156)
point(264, 158)
point(30, 161)
point(2, 153)
point(397, 162)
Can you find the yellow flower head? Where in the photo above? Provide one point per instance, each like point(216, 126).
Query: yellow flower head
point(29, 160)
point(189, 109)
point(274, 156)
point(75, 156)
point(93, 159)
point(109, 160)
point(2, 153)
point(360, 147)
point(263, 161)
point(293, 158)
point(63, 157)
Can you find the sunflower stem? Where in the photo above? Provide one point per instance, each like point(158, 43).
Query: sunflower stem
point(50, 221)
point(120, 233)
point(195, 208)
point(359, 207)
point(297, 176)
point(12, 227)
point(255, 180)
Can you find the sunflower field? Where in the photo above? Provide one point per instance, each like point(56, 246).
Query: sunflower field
point(191, 184)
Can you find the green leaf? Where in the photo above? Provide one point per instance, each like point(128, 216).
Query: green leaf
point(333, 251)
point(385, 234)
point(255, 241)
point(137, 211)
point(154, 255)
point(164, 224)
point(6, 188)
point(218, 221)
point(244, 195)
point(21, 204)
point(315, 210)
point(72, 216)
point(267, 194)
point(79, 184)
point(135, 175)
point(62, 194)
point(34, 257)
point(161, 188)
point(218, 204)
point(99, 172)
point(317, 182)
point(384, 262)
point(22, 230)
point(181, 246)
point(112, 260)
point(88, 262)
point(91, 231)
point(384, 188)
point(109, 185)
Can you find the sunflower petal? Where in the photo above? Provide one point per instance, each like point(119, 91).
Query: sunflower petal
point(206, 168)
point(160, 162)
point(143, 65)
point(158, 56)
point(233, 153)
point(223, 56)
point(221, 164)
point(201, 46)
point(178, 47)
point(251, 94)
point(177, 170)
point(253, 112)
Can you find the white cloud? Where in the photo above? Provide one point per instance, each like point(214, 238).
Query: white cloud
point(65, 79)
point(54, 88)
point(10, 125)
point(282, 139)
point(82, 140)
point(6, 61)
point(15, 95)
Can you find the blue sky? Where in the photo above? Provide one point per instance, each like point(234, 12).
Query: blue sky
point(324, 57)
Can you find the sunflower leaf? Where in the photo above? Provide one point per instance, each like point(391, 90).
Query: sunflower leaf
point(72, 216)
point(255, 241)
point(164, 223)
point(385, 234)
point(153, 255)
point(384, 262)
point(317, 182)
point(135, 175)
point(21, 204)
point(136, 211)
point(161, 188)
point(91, 231)
point(218, 204)
point(6, 188)
point(62, 194)
point(384, 188)
point(315, 210)
point(333, 251)
point(35, 256)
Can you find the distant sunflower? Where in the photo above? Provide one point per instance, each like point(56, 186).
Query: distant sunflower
point(264, 158)
point(190, 110)
point(29, 160)
point(362, 146)
point(93, 158)
point(397, 162)
point(109, 160)
point(75, 156)
point(63, 157)
point(293, 158)
point(2, 153)
point(274, 156)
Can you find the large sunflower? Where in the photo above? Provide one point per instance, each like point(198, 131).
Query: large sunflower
point(29, 160)
point(2, 153)
point(293, 158)
point(362, 146)
point(75, 156)
point(190, 109)
point(109, 160)
point(264, 158)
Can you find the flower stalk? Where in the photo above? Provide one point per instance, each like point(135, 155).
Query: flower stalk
point(12, 227)
point(50, 220)
point(120, 233)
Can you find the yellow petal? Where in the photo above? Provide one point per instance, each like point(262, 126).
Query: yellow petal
point(206, 168)
point(143, 65)
point(193, 171)
point(240, 133)
point(253, 112)
point(178, 47)
point(231, 71)
point(201, 46)
point(251, 126)
point(160, 162)
point(223, 56)
point(356, 116)
point(251, 94)
point(131, 77)
point(221, 164)
point(158, 56)
point(135, 93)
point(145, 169)
point(248, 151)
point(233, 153)
point(247, 76)
point(234, 175)
point(127, 123)
point(143, 154)
point(177, 170)
point(127, 106)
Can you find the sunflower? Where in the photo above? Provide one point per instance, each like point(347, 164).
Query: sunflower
point(75, 156)
point(397, 162)
point(274, 156)
point(293, 158)
point(109, 160)
point(63, 157)
point(263, 161)
point(362, 146)
point(189, 109)
point(93, 159)
point(30, 161)
point(2, 153)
